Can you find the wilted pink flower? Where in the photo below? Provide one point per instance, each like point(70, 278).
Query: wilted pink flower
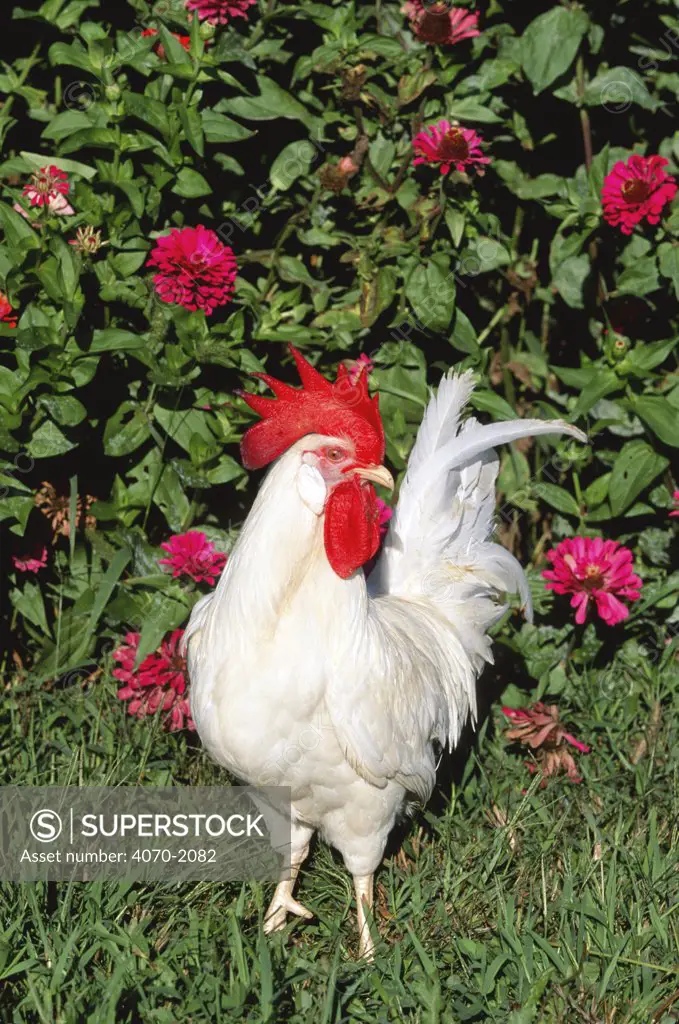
point(159, 684)
point(589, 567)
point(675, 499)
point(196, 270)
point(218, 12)
point(449, 145)
point(192, 554)
point(539, 728)
point(30, 563)
point(49, 187)
point(636, 189)
point(363, 364)
point(385, 514)
point(7, 315)
point(438, 23)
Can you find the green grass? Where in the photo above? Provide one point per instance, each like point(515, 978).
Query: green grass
point(566, 912)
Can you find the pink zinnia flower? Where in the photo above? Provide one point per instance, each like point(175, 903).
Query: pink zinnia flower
point(363, 364)
point(218, 12)
point(438, 23)
point(675, 499)
point(49, 187)
point(637, 189)
point(385, 514)
point(30, 563)
point(196, 270)
point(7, 316)
point(449, 145)
point(192, 554)
point(158, 685)
point(539, 728)
point(591, 568)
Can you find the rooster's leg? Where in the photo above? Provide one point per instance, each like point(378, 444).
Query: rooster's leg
point(363, 886)
point(283, 901)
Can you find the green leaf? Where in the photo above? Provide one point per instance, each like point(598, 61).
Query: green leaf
point(18, 233)
point(272, 102)
point(569, 279)
point(635, 468)
point(293, 161)
point(463, 336)
point(669, 263)
point(647, 355)
point(65, 409)
point(114, 339)
point(616, 89)
point(550, 43)
point(661, 417)
point(123, 435)
point(48, 441)
point(148, 110)
point(412, 86)
point(488, 401)
point(601, 382)
point(219, 128)
point(190, 184)
point(639, 279)
point(193, 128)
point(431, 290)
point(558, 498)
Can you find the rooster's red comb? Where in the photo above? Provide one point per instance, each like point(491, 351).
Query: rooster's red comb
point(342, 409)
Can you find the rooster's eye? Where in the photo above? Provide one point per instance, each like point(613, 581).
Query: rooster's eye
point(334, 454)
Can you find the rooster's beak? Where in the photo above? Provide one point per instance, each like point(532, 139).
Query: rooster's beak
point(378, 474)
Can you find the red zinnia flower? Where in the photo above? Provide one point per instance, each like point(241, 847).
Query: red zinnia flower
point(159, 48)
point(438, 23)
point(159, 684)
point(449, 145)
point(589, 567)
point(539, 728)
point(196, 270)
point(218, 12)
point(7, 316)
point(192, 554)
point(675, 499)
point(637, 189)
point(30, 563)
point(48, 187)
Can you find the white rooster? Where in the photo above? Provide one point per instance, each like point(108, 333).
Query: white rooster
point(305, 674)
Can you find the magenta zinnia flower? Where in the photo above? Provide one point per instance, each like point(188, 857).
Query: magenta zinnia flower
point(192, 554)
point(675, 499)
point(449, 145)
point(196, 270)
point(385, 513)
point(7, 315)
point(438, 23)
point(539, 728)
point(48, 187)
point(158, 685)
point(592, 568)
point(363, 364)
point(30, 563)
point(636, 189)
point(219, 12)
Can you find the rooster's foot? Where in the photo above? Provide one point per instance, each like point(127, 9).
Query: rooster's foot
point(282, 904)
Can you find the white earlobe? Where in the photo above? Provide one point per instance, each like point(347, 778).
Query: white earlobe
point(311, 488)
